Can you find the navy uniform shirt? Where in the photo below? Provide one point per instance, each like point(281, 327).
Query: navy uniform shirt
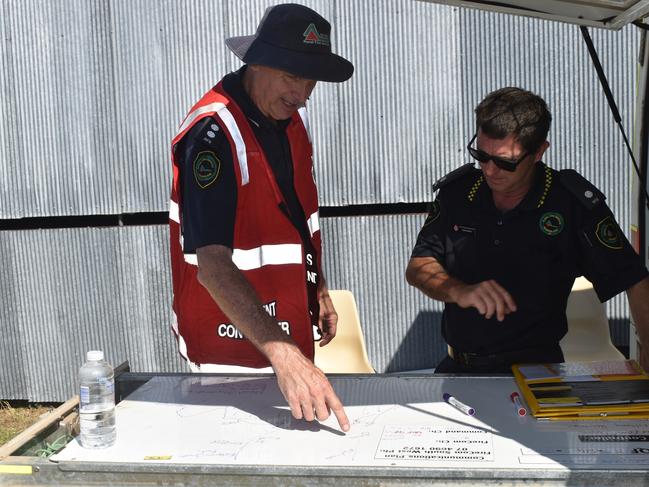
point(561, 229)
point(209, 200)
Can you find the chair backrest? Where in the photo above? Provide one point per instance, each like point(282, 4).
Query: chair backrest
point(346, 353)
point(588, 337)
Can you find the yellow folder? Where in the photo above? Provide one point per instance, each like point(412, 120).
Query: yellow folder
point(585, 390)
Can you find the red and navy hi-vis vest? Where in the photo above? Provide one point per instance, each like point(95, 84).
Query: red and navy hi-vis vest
point(267, 247)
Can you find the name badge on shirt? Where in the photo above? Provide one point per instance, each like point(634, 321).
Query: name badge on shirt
point(464, 229)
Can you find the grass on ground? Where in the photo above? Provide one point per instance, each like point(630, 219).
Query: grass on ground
point(16, 416)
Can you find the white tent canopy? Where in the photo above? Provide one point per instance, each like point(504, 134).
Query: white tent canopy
point(610, 14)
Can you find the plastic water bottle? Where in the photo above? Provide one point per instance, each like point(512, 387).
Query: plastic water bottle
point(96, 402)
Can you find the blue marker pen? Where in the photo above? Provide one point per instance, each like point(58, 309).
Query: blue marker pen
point(468, 410)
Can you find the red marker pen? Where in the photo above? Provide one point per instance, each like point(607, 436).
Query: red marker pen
point(516, 399)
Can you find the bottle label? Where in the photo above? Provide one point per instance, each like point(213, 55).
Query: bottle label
point(84, 395)
point(109, 384)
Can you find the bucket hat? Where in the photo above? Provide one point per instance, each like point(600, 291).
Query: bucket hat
point(295, 39)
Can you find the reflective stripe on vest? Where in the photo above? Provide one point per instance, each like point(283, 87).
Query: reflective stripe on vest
point(305, 122)
point(314, 223)
point(174, 213)
point(174, 216)
point(279, 254)
point(249, 259)
point(257, 257)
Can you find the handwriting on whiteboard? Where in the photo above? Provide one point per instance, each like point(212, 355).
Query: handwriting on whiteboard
point(435, 444)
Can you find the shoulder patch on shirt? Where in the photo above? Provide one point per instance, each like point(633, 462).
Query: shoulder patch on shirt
point(585, 192)
point(453, 175)
point(207, 168)
point(433, 215)
point(608, 233)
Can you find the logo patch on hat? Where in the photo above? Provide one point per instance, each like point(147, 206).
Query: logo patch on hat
point(207, 168)
point(551, 223)
point(312, 36)
point(608, 233)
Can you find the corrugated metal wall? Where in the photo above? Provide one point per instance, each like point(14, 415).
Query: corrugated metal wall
point(92, 93)
point(73, 290)
point(401, 325)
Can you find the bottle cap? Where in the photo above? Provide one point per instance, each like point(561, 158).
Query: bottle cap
point(95, 355)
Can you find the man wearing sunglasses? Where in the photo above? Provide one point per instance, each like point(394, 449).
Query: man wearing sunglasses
point(503, 243)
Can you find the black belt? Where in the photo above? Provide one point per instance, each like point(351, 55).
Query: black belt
point(528, 355)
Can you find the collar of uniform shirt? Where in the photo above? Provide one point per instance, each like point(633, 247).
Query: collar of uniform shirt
point(537, 193)
point(533, 197)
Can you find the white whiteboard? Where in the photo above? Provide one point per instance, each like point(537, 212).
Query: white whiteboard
point(395, 421)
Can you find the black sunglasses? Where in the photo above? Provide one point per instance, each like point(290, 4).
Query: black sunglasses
point(482, 157)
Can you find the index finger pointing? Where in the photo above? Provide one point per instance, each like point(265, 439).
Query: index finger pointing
point(337, 407)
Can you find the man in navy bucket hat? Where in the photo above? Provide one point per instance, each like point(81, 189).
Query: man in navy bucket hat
point(245, 236)
point(295, 39)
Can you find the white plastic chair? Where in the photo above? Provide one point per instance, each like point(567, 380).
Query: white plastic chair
point(588, 337)
point(346, 353)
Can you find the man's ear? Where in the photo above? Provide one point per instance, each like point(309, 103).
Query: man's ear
point(538, 155)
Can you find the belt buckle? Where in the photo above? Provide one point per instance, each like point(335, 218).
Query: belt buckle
point(469, 359)
point(466, 358)
point(463, 358)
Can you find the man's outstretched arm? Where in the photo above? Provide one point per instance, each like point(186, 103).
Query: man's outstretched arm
point(304, 386)
point(430, 277)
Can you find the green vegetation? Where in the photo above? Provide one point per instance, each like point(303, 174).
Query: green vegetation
point(16, 416)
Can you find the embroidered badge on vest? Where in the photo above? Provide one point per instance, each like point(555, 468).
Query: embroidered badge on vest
point(207, 168)
point(608, 233)
point(551, 223)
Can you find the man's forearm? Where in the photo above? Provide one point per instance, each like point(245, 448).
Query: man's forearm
point(322, 287)
point(305, 387)
point(430, 277)
point(239, 301)
point(488, 297)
